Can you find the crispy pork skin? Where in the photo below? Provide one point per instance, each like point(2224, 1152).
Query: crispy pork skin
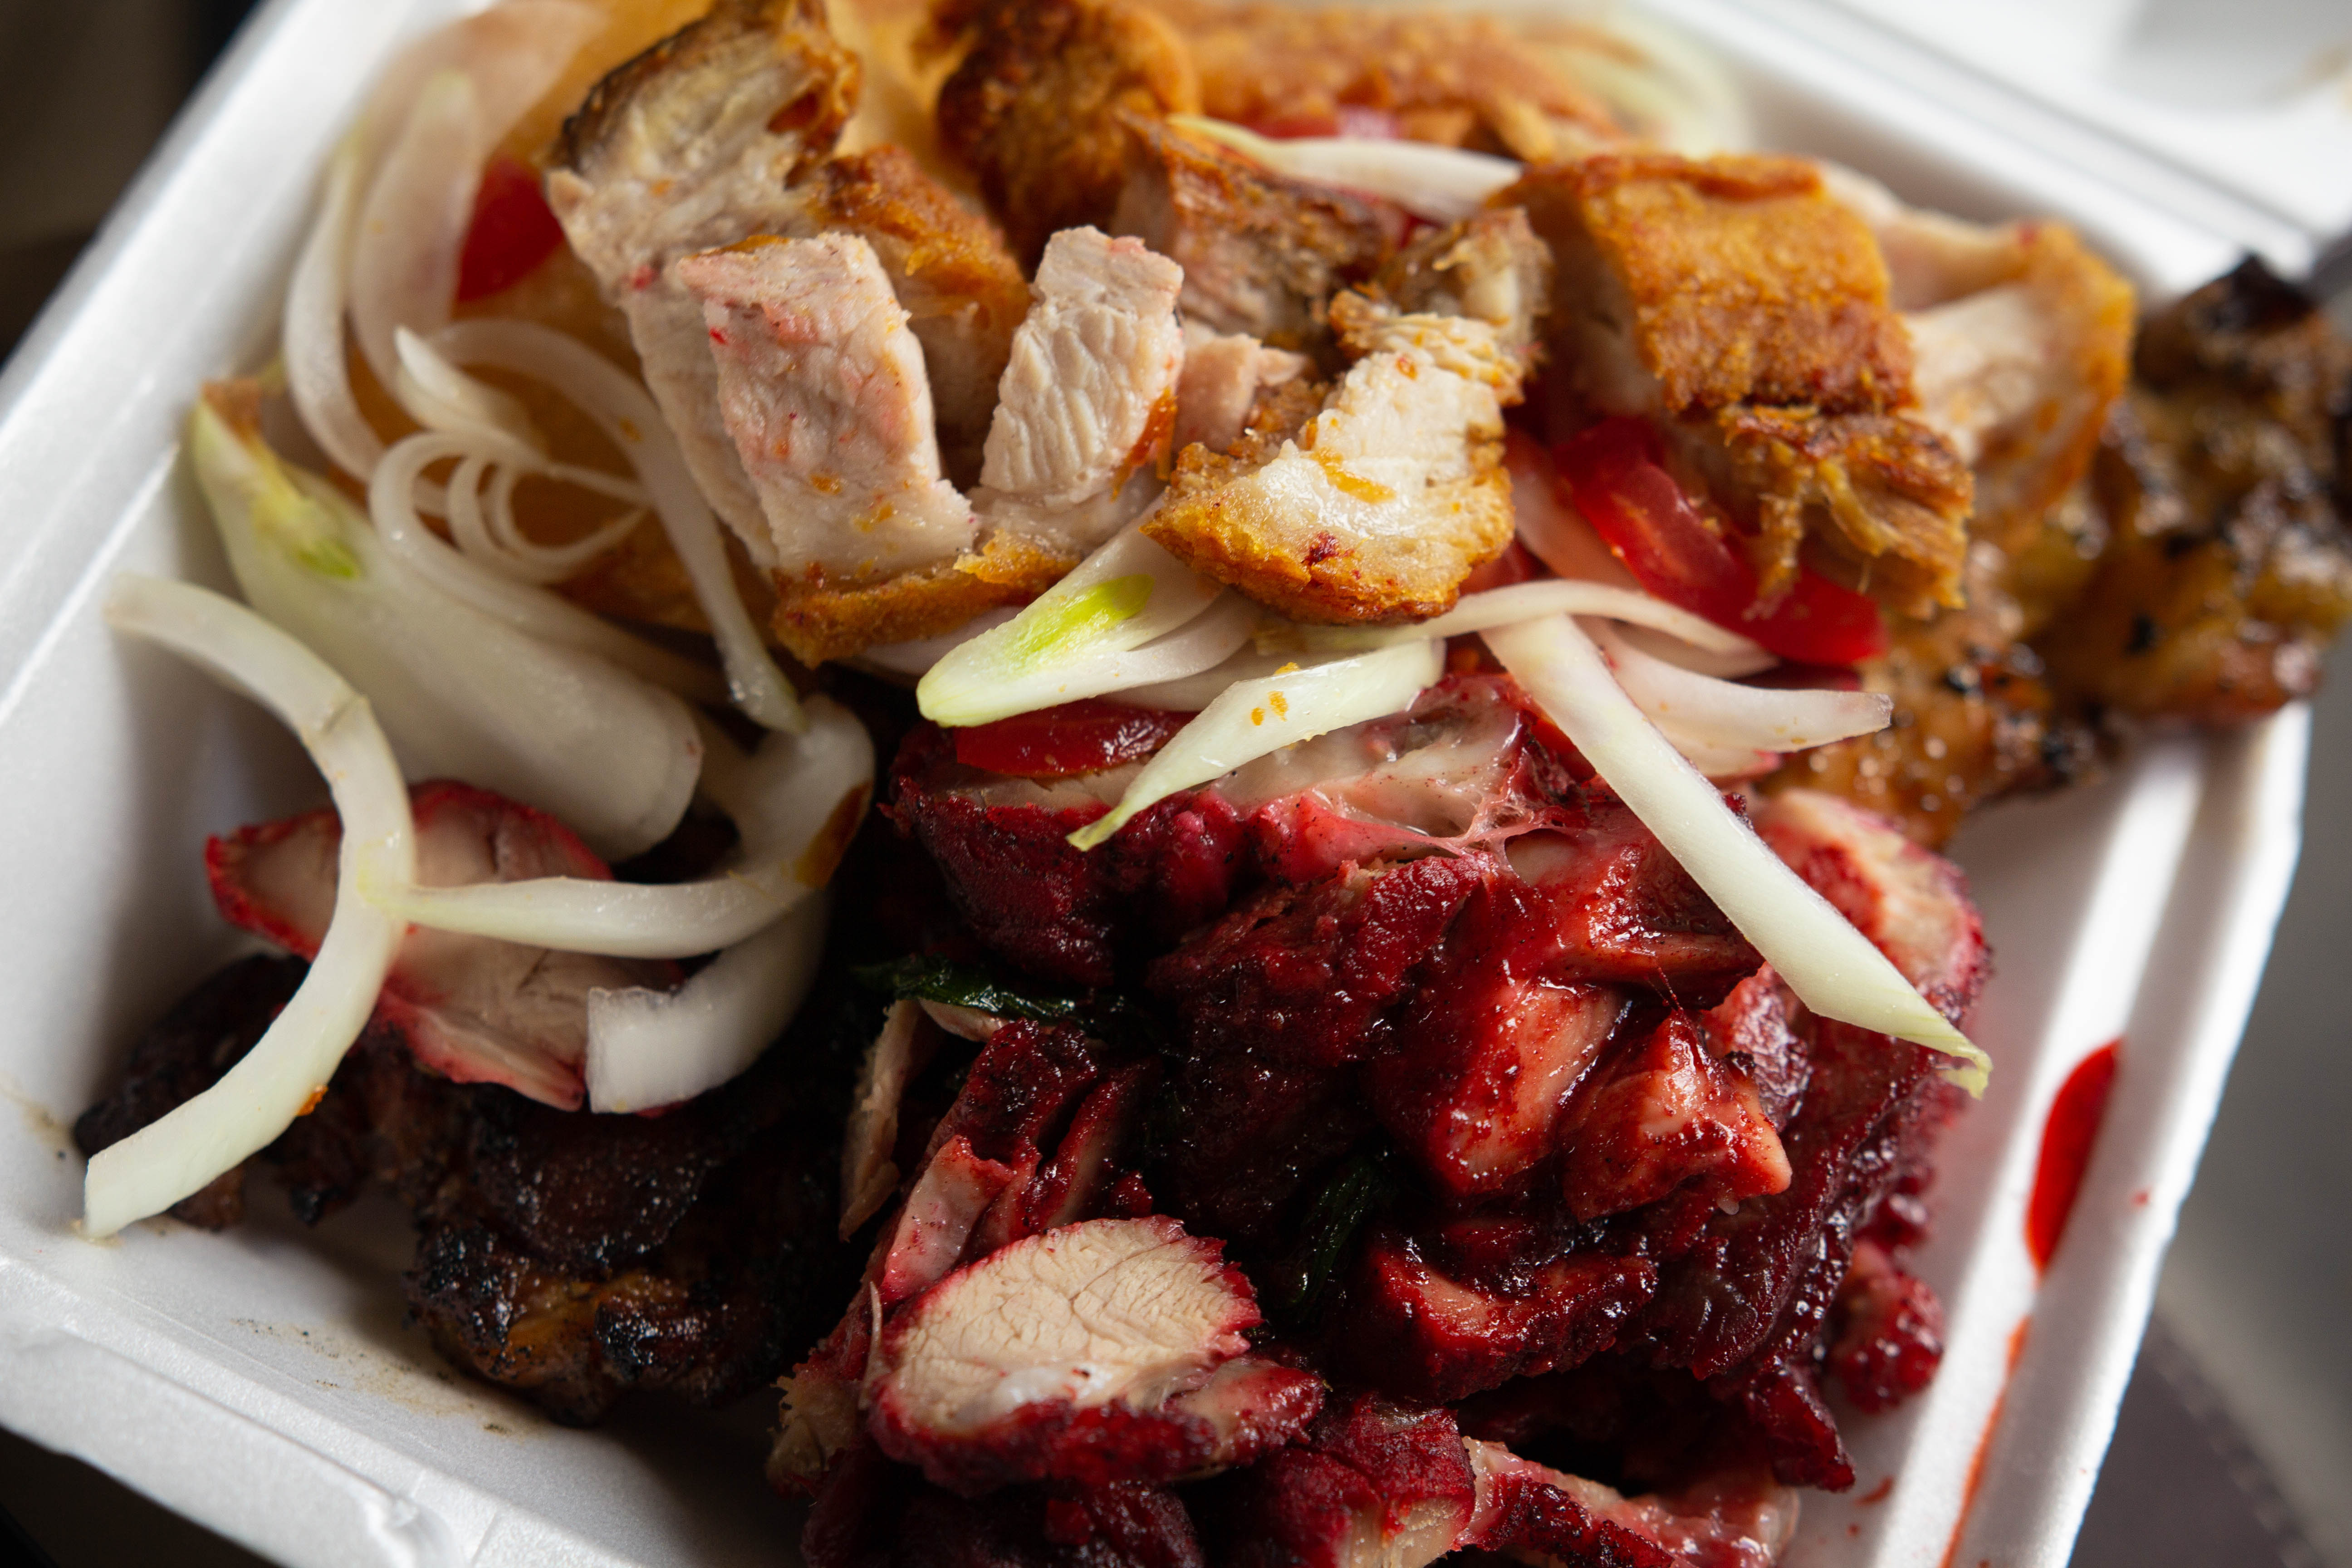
point(1262, 255)
point(1384, 501)
point(472, 1008)
point(1089, 394)
point(822, 388)
point(1106, 1351)
point(699, 142)
point(1037, 107)
point(1745, 309)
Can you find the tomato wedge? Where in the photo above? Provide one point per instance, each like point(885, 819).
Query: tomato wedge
point(1616, 472)
point(512, 231)
point(1076, 738)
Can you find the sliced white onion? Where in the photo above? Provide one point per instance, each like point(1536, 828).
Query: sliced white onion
point(317, 375)
point(794, 802)
point(392, 506)
point(649, 1049)
point(1722, 714)
point(1191, 693)
point(1441, 184)
point(625, 413)
point(281, 1077)
point(1699, 660)
point(1833, 969)
point(1523, 602)
point(440, 396)
point(462, 694)
point(413, 224)
point(1254, 718)
point(1069, 642)
point(917, 658)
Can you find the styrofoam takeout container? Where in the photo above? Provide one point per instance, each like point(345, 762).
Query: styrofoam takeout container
point(260, 1381)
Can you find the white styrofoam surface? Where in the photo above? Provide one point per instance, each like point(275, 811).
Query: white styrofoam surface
point(259, 1381)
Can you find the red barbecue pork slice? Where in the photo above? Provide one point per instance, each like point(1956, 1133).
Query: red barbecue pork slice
point(472, 1008)
point(1481, 1097)
point(1372, 1484)
point(1060, 912)
point(1910, 901)
point(1756, 1026)
point(1415, 1332)
point(1104, 1351)
point(1615, 906)
point(1668, 1113)
point(1304, 975)
point(1243, 1138)
point(1733, 1516)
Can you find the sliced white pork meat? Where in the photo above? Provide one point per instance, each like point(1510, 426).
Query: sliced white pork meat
point(1225, 373)
point(822, 386)
point(1088, 397)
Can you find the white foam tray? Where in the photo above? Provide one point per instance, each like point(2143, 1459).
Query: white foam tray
point(260, 1381)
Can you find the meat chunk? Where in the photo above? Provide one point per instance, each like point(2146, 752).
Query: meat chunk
point(1888, 1334)
point(1088, 395)
point(695, 143)
point(1108, 1351)
point(1458, 79)
point(1372, 1484)
point(1671, 1114)
point(1037, 109)
point(961, 288)
point(2225, 484)
point(1062, 913)
point(1738, 304)
point(1225, 375)
point(873, 1515)
point(1733, 1516)
point(1384, 501)
point(473, 1008)
point(1490, 267)
point(824, 390)
point(1262, 255)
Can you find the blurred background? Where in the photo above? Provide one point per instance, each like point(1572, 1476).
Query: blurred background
point(2235, 1447)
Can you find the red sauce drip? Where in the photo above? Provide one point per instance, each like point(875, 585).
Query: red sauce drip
point(1074, 738)
point(1984, 1442)
point(2066, 1142)
point(513, 230)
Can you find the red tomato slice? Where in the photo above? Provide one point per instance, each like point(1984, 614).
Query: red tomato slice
point(1616, 472)
point(513, 230)
point(1076, 738)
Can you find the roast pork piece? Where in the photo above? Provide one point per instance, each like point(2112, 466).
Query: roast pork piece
point(1112, 1350)
point(1733, 302)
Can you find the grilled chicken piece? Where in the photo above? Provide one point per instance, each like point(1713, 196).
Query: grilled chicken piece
point(822, 388)
point(962, 291)
point(1743, 309)
point(1036, 110)
point(1088, 396)
point(1108, 1351)
point(2226, 482)
point(473, 1008)
point(1431, 76)
point(1225, 375)
point(698, 142)
point(1262, 254)
point(1384, 501)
